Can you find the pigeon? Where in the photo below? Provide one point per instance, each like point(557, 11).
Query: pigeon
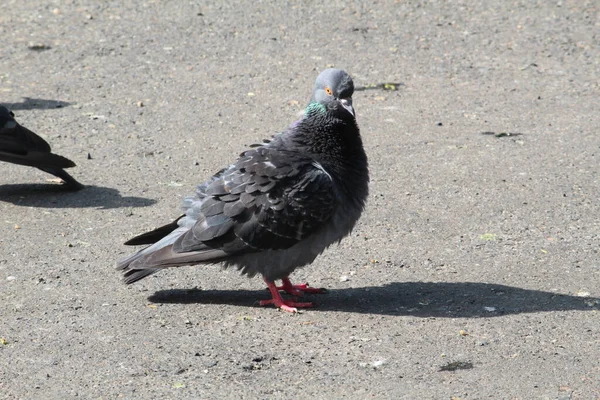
point(19, 145)
point(279, 206)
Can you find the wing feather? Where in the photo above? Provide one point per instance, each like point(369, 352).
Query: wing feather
point(266, 201)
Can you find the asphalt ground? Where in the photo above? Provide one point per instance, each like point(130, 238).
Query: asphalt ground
point(473, 273)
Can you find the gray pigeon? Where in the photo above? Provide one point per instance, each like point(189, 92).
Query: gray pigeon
point(19, 145)
point(278, 206)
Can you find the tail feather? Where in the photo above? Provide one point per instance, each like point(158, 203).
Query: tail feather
point(160, 255)
point(139, 266)
point(39, 159)
point(69, 181)
point(47, 162)
point(166, 257)
point(165, 241)
point(155, 235)
point(134, 275)
point(34, 158)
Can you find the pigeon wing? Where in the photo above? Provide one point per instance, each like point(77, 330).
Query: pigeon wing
point(266, 201)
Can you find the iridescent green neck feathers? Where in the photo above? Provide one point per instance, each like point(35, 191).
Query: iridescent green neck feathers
point(314, 107)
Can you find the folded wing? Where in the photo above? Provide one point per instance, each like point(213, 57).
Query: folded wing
point(266, 201)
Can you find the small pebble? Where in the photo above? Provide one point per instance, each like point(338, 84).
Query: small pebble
point(38, 47)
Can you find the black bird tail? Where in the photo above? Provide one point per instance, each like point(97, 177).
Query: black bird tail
point(69, 181)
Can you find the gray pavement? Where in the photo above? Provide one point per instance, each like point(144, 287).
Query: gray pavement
point(473, 274)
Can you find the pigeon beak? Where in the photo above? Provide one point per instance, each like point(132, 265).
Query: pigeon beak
point(347, 104)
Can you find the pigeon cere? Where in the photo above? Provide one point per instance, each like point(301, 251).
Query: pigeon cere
point(19, 145)
point(278, 206)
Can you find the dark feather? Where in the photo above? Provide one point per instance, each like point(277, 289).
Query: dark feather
point(153, 236)
point(134, 275)
point(19, 145)
point(278, 206)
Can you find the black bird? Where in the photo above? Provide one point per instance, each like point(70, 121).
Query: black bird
point(19, 145)
point(278, 206)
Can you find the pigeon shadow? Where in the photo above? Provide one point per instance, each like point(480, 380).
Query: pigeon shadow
point(419, 299)
point(57, 196)
point(33, 104)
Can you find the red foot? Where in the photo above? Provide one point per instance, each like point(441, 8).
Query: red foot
point(298, 290)
point(287, 305)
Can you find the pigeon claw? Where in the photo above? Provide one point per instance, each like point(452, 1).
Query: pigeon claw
point(298, 290)
point(279, 302)
point(286, 305)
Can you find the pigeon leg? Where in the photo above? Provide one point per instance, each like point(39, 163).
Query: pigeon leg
point(298, 290)
point(278, 301)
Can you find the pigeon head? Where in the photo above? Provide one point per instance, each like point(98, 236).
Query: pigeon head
point(333, 93)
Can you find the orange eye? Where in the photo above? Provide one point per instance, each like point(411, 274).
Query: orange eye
point(328, 90)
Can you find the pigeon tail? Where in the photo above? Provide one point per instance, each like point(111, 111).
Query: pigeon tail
point(125, 264)
point(155, 235)
point(160, 255)
point(69, 181)
point(134, 275)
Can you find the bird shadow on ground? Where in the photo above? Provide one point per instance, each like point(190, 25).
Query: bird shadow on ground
point(34, 104)
point(419, 299)
point(57, 196)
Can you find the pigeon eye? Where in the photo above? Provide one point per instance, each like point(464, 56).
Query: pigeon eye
point(328, 90)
